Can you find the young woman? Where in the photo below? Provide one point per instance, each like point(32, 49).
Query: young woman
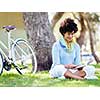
point(66, 54)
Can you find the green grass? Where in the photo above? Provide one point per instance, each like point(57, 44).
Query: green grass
point(96, 65)
point(42, 79)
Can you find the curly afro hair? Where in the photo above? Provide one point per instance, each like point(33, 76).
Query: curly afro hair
point(68, 25)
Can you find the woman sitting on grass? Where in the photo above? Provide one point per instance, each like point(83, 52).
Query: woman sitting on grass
point(66, 55)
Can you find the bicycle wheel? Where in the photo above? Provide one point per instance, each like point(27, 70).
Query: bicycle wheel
point(1, 64)
point(24, 57)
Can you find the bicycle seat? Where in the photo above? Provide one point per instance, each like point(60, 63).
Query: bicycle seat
point(9, 27)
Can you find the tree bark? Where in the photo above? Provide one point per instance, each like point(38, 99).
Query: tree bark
point(92, 41)
point(80, 40)
point(56, 18)
point(40, 36)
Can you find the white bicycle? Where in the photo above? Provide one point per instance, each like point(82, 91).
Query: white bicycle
point(19, 54)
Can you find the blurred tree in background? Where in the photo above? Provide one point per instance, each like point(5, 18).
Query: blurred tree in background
point(88, 24)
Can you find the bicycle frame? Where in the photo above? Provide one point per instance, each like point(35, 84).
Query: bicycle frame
point(9, 48)
point(9, 44)
point(5, 47)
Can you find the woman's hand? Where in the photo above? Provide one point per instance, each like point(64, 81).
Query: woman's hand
point(70, 66)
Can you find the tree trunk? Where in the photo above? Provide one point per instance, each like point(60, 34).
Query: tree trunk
point(40, 36)
point(56, 18)
point(80, 40)
point(92, 41)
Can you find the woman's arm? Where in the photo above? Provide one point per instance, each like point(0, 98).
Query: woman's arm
point(70, 66)
point(55, 54)
point(77, 60)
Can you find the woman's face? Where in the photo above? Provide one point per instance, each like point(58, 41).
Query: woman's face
point(68, 36)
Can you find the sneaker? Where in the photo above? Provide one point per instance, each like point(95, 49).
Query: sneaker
point(91, 77)
point(62, 77)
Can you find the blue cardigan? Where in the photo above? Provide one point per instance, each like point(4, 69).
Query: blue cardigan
point(62, 55)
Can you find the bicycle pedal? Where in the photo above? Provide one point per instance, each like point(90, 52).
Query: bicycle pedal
point(7, 68)
point(23, 68)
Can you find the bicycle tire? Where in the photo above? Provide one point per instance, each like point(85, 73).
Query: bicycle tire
point(1, 63)
point(24, 57)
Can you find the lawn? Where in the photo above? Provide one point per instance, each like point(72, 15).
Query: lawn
point(42, 79)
